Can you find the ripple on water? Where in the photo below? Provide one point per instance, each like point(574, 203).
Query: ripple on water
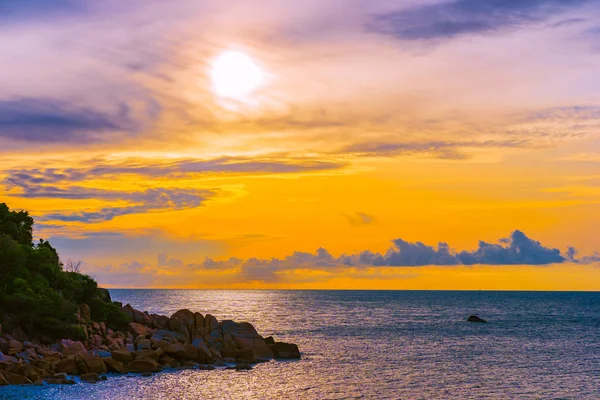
point(362, 344)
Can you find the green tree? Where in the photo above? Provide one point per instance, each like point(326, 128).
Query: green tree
point(16, 224)
point(37, 296)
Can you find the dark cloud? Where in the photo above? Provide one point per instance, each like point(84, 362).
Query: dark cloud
point(30, 120)
point(151, 200)
point(29, 178)
point(517, 249)
point(462, 17)
point(15, 10)
point(58, 184)
point(129, 202)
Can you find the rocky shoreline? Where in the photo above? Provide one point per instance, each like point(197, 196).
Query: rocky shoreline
point(187, 340)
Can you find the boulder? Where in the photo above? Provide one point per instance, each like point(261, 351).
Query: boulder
point(143, 344)
point(7, 359)
point(215, 354)
point(136, 315)
point(204, 354)
point(112, 343)
point(52, 358)
point(123, 356)
point(210, 323)
point(26, 370)
point(175, 350)
point(142, 364)
point(115, 366)
point(96, 340)
point(149, 353)
point(186, 316)
point(77, 348)
point(14, 347)
point(43, 368)
point(15, 379)
point(67, 365)
point(102, 353)
point(191, 352)
point(246, 340)
point(244, 356)
point(3, 381)
point(269, 340)
point(159, 321)
point(198, 322)
point(140, 330)
point(170, 336)
point(102, 326)
point(179, 326)
point(475, 318)
point(160, 344)
point(88, 364)
point(285, 350)
point(85, 313)
point(90, 377)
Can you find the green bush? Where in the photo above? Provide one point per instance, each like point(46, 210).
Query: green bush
point(36, 295)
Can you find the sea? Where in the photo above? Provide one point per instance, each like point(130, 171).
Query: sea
point(379, 345)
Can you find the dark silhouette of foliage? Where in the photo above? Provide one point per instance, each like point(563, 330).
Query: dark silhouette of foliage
point(38, 297)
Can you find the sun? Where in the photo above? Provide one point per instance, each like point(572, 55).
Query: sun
point(234, 75)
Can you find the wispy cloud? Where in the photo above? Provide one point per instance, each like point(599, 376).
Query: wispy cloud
point(148, 201)
point(444, 20)
point(29, 120)
point(581, 157)
point(359, 219)
point(28, 178)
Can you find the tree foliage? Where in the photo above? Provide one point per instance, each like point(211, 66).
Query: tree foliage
point(37, 296)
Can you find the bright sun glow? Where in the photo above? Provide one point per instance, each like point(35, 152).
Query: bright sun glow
point(235, 75)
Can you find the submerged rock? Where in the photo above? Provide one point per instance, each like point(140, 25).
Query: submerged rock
point(475, 318)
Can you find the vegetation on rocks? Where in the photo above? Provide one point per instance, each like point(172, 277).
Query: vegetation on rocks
point(38, 298)
point(56, 322)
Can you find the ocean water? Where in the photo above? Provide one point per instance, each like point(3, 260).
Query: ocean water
point(380, 345)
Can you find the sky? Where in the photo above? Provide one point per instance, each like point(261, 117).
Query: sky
point(351, 144)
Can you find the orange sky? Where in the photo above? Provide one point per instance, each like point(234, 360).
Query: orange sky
point(337, 127)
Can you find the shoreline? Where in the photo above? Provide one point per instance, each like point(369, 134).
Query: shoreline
point(151, 344)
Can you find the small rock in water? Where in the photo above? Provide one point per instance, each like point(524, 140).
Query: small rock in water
point(475, 318)
point(146, 374)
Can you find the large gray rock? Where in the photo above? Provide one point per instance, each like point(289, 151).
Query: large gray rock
point(142, 364)
point(170, 336)
point(210, 323)
point(76, 348)
point(179, 326)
